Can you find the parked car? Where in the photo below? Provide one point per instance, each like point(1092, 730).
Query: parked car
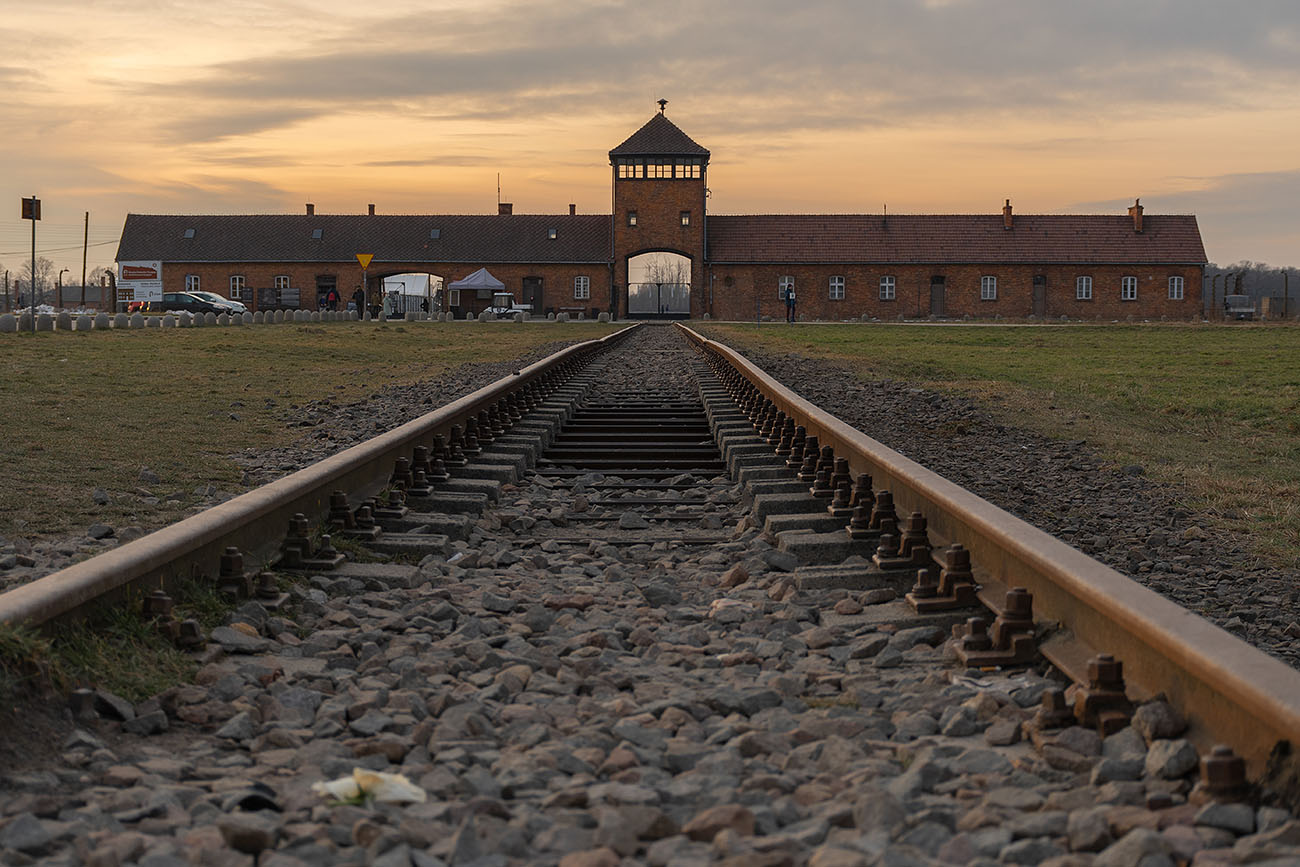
point(186, 301)
point(230, 305)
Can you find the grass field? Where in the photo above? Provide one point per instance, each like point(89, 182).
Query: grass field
point(87, 410)
point(1213, 409)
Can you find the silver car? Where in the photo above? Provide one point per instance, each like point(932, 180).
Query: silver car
point(229, 305)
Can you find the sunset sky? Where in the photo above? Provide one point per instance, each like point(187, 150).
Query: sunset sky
point(928, 106)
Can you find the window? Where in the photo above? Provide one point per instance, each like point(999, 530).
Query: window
point(581, 288)
point(453, 297)
point(837, 288)
point(1128, 289)
point(1175, 288)
point(237, 286)
point(988, 288)
point(631, 218)
point(886, 288)
point(435, 234)
point(189, 233)
point(191, 282)
point(784, 287)
point(1083, 289)
point(317, 234)
point(282, 281)
point(686, 218)
point(551, 233)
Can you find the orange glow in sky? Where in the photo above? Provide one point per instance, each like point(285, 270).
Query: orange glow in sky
point(926, 106)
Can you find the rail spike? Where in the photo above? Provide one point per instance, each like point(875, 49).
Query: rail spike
point(1010, 641)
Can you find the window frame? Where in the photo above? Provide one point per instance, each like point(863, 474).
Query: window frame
point(784, 284)
point(237, 284)
point(685, 219)
point(989, 287)
point(280, 281)
point(1128, 288)
point(1083, 287)
point(631, 219)
point(581, 288)
point(1177, 287)
point(888, 287)
point(836, 287)
point(192, 283)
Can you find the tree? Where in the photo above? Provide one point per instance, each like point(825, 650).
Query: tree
point(666, 268)
point(44, 275)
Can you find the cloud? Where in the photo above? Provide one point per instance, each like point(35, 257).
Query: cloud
point(1249, 215)
point(205, 127)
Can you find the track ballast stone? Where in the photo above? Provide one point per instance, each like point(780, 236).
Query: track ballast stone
point(604, 704)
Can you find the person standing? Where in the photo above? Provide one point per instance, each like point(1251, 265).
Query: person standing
point(359, 299)
point(789, 305)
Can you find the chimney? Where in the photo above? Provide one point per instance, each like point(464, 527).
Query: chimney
point(573, 209)
point(372, 209)
point(1136, 213)
point(1006, 215)
point(505, 209)
point(311, 209)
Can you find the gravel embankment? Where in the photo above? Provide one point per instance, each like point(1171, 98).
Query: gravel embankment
point(608, 705)
point(1123, 519)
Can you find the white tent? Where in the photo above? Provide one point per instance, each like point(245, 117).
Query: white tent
point(480, 280)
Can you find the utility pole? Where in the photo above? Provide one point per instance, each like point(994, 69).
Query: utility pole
point(32, 211)
point(85, 246)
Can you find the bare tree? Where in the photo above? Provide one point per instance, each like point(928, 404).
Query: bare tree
point(667, 268)
point(44, 276)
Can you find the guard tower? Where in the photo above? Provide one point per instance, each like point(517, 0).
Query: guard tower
point(659, 180)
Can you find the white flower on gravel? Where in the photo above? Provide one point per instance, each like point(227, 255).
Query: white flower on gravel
point(375, 786)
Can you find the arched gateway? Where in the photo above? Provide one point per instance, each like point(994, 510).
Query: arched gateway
point(659, 178)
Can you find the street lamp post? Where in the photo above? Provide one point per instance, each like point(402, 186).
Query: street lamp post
point(58, 292)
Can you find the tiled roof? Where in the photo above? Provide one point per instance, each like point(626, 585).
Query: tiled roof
point(973, 238)
point(659, 137)
point(478, 238)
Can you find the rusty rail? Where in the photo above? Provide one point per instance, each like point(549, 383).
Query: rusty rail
point(1230, 692)
point(255, 522)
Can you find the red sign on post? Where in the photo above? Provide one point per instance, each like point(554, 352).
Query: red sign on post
point(32, 209)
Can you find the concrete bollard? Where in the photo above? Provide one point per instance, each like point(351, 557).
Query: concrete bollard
point(247, 318)
point(8, 323)
point(121, 320)
point(604, 317)
point(277, 318)
point(315, 316)
point(101, 320)
point(485, 317)
point(259, 318)
point(84, 322)
point(200, 320)
point(518, 317)
point(235, 319)
point(209, 319)
point(152, 321)
point(168, 321)
point(185, 320)
point(412, 316)
point(550, 317)
point(63, 320)
point(137, 320)
point(223, 319)
point(25, 321)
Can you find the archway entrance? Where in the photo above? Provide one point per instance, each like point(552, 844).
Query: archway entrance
point(413, 292)
point(659, 286)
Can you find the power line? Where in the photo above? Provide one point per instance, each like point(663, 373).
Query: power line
point(56, 249)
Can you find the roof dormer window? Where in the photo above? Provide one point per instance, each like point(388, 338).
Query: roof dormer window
point(189, 233)
point(317, 234)
point(551, 233)
point(435, 234)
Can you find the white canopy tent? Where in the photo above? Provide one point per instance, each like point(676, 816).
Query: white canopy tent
point(480, 281)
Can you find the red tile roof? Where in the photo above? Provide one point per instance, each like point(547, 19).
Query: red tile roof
point(659, 137)
point(474, 238)
point(937, 239)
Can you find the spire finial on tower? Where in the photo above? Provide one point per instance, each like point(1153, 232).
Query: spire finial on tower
point(663, 103)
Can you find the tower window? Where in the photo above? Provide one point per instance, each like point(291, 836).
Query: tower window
point(631, 218)
point(686, 218)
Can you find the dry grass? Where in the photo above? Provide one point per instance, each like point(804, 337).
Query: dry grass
point(88, 410)
point(1212, 409)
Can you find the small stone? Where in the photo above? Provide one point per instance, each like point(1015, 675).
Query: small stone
point(878, 596)
point(706, 825)
point(250, 833)
point(848, 606)
point(151, 723)
point(632, 521)
point(734, 577)
point(1139, 846)
point(1002, 733)
point(25, 833)
point(99, 497)
point(1170, 760)
point(1157, 720)
point(1088, 830)
point(1237, 818)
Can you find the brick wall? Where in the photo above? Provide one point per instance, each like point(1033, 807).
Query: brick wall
point(659, 203)
point(745, 291)
point(557, 280)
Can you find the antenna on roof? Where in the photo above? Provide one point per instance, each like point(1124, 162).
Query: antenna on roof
point(663, 103)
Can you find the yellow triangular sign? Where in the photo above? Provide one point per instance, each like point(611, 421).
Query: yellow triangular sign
point(364, 259)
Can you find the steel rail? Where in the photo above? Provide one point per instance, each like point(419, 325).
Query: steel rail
point(255, 522)
point(1230, 692)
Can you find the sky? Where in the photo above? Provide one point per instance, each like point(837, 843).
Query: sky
point(920, 106)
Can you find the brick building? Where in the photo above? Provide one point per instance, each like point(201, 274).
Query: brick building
point(659, 254)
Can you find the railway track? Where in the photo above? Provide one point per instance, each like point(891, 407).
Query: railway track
point(642, 602)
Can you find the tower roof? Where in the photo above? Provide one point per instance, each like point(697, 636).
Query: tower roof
point(659, 137)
